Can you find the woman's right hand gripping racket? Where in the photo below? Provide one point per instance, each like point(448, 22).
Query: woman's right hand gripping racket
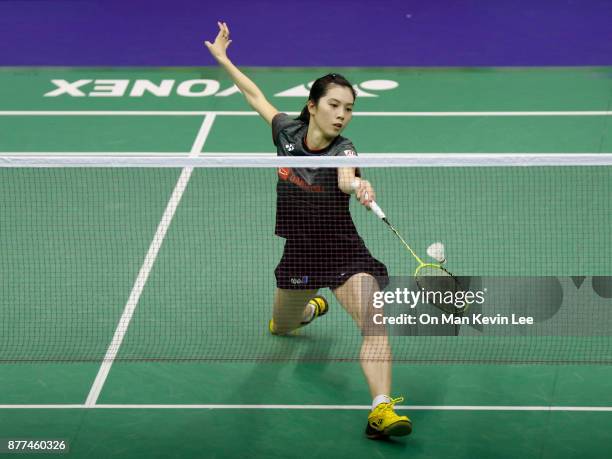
point(436, 281)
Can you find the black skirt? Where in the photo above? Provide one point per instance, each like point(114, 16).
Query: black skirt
point(330, 262)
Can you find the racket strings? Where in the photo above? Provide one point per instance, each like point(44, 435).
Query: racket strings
point(433, 279)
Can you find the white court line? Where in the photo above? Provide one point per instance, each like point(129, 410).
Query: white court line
point(145, 269)
point(250, 113)
point(495, 113)
point(137, 154)
point(128, 113)
point(311, 407)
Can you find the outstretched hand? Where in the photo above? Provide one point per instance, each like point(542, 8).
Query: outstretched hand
point(218, 49)
point(364, 192)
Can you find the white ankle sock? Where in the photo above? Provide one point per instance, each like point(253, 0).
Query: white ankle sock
point(309, 312)
point(380, 399)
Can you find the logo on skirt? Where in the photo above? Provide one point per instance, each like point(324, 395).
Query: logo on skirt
point(299, 280)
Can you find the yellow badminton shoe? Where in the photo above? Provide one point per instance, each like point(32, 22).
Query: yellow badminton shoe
point(384, 422)
point(320, 309)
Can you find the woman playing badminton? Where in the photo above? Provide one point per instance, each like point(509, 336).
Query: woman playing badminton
point(322, 247)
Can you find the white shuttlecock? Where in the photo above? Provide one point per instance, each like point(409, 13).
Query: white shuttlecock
point(436, 251)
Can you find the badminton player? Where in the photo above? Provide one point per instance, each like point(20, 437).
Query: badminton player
point(322, 247)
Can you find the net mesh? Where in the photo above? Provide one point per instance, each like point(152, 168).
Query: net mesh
point(175, 259)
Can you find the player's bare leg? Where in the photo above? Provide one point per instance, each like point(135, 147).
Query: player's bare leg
point(290, 309)
point(355, 295)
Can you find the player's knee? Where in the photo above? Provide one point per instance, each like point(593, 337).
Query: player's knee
point(362, 278)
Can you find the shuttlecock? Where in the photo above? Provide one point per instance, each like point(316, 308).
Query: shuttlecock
point(436, 251)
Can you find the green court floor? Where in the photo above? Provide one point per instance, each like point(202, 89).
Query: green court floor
point(65, 294)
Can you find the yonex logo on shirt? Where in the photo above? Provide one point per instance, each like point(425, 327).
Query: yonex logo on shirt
point(289, 147)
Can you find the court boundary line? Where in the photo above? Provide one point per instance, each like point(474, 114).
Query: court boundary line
point(147, 265)
point(252, 113)
point(543, 408)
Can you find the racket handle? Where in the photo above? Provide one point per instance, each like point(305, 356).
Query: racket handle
point(376, 209)
point(373, 206)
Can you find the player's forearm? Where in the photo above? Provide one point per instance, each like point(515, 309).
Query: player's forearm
point(346, 177)
point(249, 89)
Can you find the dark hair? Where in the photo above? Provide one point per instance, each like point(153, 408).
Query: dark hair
point(319, 89)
